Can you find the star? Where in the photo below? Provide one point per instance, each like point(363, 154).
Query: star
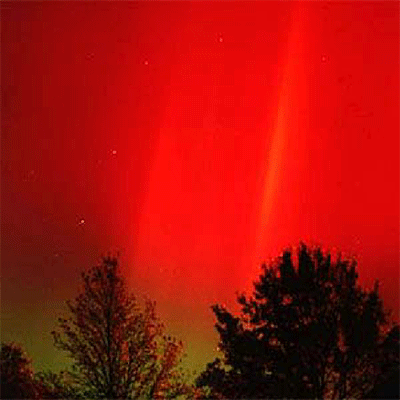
point(114, 152)
point(81, 221)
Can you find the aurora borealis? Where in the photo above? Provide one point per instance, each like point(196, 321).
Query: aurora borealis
point(197, 138)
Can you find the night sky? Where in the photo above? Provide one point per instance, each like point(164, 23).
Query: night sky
point(198, 139)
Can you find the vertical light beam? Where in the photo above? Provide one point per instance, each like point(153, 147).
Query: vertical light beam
point(285, 130)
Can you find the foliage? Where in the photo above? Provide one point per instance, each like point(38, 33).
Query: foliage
point(308, 331)
point(51, 385)
point(387, 386)
point(16, 373)
point(119, 350)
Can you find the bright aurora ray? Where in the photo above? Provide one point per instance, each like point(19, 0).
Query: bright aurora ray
point(288, 99)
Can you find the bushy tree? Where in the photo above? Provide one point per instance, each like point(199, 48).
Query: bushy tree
point(119, 350)
point(308, 331)
point(17, 381)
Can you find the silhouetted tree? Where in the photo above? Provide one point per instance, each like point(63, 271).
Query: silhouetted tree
point(308, 331)
point(17, 380)
point(119, 350)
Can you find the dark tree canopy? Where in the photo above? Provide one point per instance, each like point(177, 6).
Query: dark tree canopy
point(388, 386)
point(308, 331)
point(119, 350)
point(17, 380)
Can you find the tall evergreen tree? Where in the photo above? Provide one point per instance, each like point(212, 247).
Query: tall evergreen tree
point(308, 331)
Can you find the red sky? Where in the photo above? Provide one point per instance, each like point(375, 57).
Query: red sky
point(199, 139)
